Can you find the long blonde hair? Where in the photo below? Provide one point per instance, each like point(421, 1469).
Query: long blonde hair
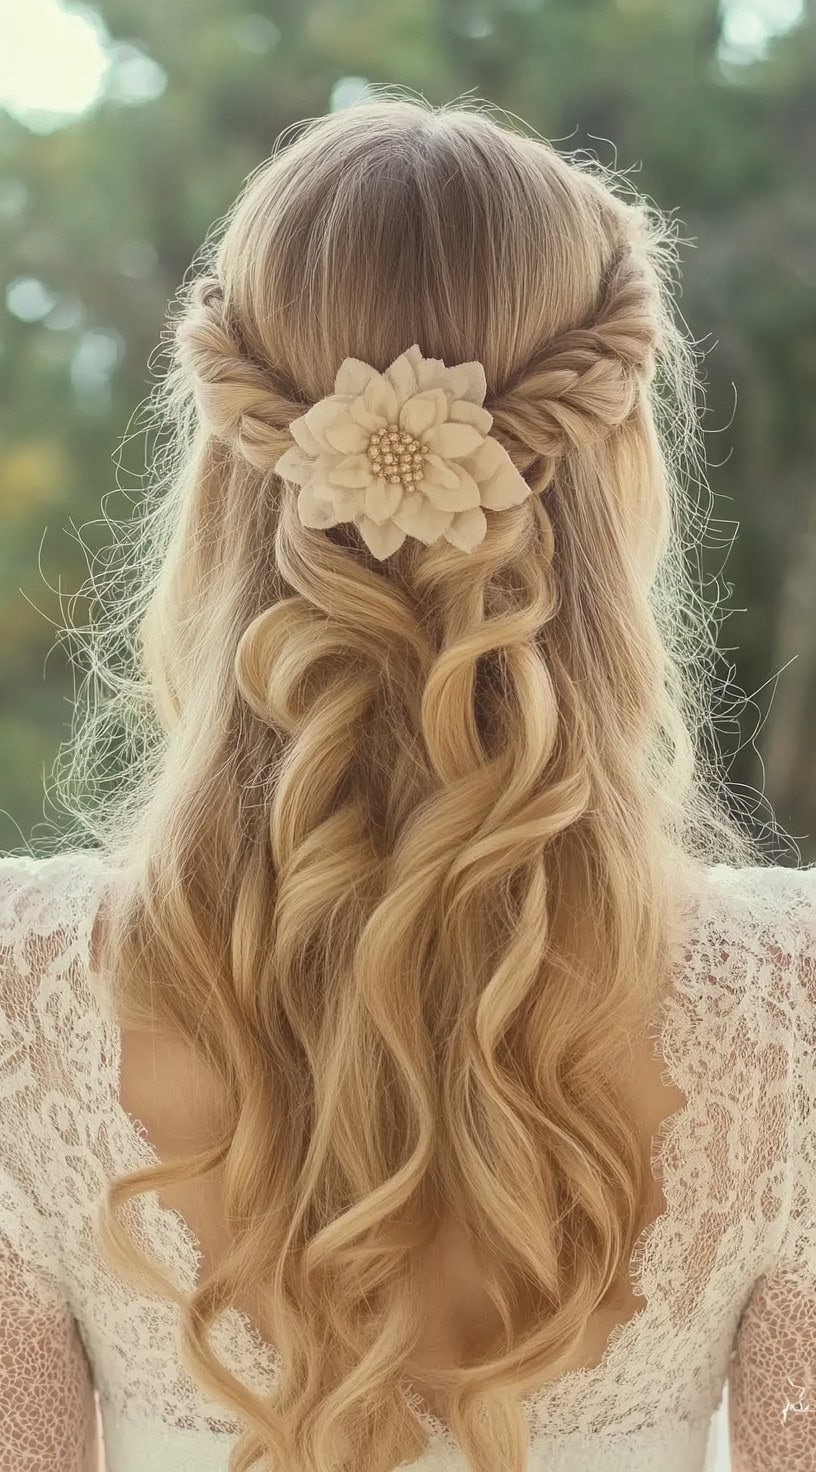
point(402, 836)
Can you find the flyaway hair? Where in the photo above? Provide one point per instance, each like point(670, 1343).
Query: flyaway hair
point(401, 836)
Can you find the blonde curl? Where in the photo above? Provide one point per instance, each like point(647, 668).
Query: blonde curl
point(402, 837)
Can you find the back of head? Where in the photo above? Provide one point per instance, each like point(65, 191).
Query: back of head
point(400, 832)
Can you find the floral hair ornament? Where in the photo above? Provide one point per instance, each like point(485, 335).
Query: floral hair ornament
point(404, 453)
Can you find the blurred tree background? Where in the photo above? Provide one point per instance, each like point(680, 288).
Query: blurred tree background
point(711, 106)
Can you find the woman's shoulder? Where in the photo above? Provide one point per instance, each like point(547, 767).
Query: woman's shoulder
point(768, 885)
point(745, 903)
point(47, 907)
point(747, 941)
point(33, 888)
point(770, 907)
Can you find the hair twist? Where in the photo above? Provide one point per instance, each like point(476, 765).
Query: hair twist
point(586, 383)
point(236, 398)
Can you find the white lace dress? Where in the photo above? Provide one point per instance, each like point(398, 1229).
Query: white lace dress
point(728, 1272)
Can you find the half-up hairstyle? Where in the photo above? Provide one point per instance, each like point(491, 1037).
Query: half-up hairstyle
point(401, 838)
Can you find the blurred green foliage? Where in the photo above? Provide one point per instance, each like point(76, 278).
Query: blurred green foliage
point(107, 212)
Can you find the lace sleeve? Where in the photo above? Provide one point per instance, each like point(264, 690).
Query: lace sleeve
point(47, 1408)
point(772, 1381)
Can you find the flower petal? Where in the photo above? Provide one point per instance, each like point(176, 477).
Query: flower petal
point(505, 487)
point(324, 464)
point(354, 470)
point(419, 518)
point(440, 401)
point(467, 529)
point(485, 461)
point(451, 440)
point(379, 398)
point(439, 472)
point(352, 376)
point(314, 511)
point(364, 417)
point(402, 378)
point(430, 372)
point(418, 414)
point(467, 381)
point(322, 414)
point(295, 465)
point(458, 498)
point(348, 503)
point(344, 499)
point(466, 413)
point(345, 435)
point(303, 436)
point(382, 498)
point(381, 540)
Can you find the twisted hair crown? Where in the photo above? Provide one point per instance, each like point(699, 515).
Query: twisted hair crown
point(418, 450)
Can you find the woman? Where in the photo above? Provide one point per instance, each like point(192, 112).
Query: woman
point(418, 966)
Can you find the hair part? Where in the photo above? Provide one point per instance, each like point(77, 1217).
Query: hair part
point(399, 834)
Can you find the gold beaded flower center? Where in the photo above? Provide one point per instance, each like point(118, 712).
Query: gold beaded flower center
point(395, 455)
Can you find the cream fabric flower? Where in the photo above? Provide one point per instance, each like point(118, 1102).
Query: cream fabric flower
point(402, 453)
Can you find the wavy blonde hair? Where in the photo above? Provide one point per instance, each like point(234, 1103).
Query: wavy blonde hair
point(402, 836)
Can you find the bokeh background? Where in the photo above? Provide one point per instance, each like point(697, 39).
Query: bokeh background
point(126, 129)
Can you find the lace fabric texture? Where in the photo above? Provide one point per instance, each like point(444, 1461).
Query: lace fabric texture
point(727, 1272)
